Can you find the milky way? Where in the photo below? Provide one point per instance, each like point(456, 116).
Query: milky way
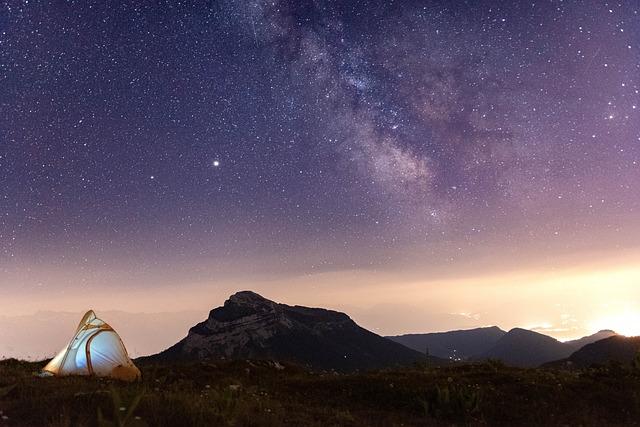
point(173, 142)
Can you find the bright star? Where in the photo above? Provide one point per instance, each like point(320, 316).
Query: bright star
point(216, 163)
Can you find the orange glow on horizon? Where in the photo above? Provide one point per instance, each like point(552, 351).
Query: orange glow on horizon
point(564, 301)
point(625, 323)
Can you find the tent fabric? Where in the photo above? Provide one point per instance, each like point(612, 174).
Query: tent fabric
point(95, 349)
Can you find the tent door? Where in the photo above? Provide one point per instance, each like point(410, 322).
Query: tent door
point(88, 350)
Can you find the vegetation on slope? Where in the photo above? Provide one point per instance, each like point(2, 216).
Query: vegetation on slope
point(262, 393)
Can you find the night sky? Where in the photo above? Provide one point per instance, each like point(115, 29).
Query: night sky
point(356, 150)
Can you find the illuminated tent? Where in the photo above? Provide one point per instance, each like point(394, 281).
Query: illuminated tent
point(95, 349)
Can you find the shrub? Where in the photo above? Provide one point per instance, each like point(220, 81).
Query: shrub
point(122, 411)
point(495, 364)
point(452, 402)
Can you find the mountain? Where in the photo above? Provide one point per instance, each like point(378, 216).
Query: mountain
point(453, 345)
point(616, 348)
point(518, 347)
point(525, 348)
point(521, 347)
point(249, 326)
point(600, 335)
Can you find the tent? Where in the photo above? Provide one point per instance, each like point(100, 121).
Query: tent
point(95, 349)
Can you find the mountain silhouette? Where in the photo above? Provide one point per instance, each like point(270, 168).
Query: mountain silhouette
point(518, 347)
point(453, 345)
point(249, 326)
point(525, 348)
point(600, 335)
point(616, 348)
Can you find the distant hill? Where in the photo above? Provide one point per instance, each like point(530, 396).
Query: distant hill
point(249, 326)
point(600, 335)
point(613, 349)
point(524, 348)
point(518, 347)
point(453, 345)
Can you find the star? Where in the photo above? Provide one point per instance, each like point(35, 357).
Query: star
point(402, 132)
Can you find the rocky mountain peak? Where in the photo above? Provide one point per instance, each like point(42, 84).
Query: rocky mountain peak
point(249, 326)
point(247, 298)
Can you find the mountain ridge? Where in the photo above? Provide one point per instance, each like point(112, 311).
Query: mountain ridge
point(459, 344)
point(525, 348)
point(517, 347)
point(617, 348)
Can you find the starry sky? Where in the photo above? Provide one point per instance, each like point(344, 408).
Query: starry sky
point(423, 164)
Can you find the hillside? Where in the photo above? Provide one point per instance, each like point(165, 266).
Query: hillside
point(581, 342)
point(521, 347)
point(617, 349)
point(261, 393)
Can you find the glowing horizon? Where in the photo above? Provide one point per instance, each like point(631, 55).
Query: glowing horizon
point(419, 306)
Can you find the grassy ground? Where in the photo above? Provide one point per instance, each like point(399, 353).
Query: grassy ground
point(265, 394)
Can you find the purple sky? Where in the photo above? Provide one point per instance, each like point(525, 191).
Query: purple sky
point(340, 153)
